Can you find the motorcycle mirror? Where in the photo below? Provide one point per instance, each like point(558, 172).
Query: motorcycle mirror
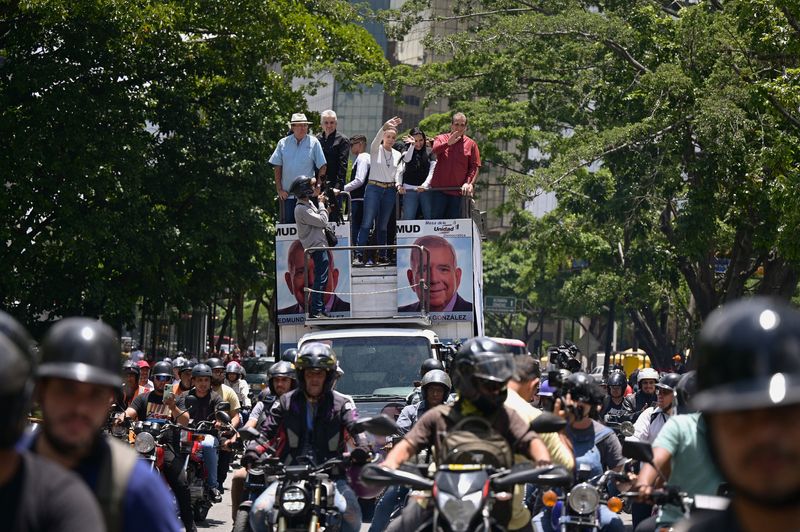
point(190, 401)
point(380, 425)
point(548, 422)
point(626, 428)
point(248, 433)
point(638, 450)
point(374, 474)
point(222, 417)
point(224, 406)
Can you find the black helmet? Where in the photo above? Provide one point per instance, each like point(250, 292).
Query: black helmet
point(83, 350)
point(484, 359)
point(129, 366)
point(201, 370)
point(290, 355)
point(429, 364)
point(437, 376)
point(187, 366)
point(669, 381)
point(178, 363)
point(748, 356)
point(617, 378)
point(17, 367)
point(162, 368)
point(215, 363)
point(316, 355)
point(685, 390)
point(302, 187)
point(281, 369)
point(583, 388)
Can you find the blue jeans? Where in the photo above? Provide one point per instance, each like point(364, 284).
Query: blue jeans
point(446, 205)
point(288, 210)
point(392, 498)
point(344, 499)
point(378, 205)
point(356, 215)
point(211, 460)
point(426, 203)
point(411, 204)
point(320, 281)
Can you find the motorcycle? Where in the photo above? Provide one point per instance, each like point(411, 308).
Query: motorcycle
point(620, 424)
point(465, 494)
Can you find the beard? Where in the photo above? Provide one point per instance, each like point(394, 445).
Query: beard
point(70, 449)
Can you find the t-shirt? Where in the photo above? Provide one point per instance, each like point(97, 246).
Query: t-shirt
point(227, 394)
point(42, 496)
point(693, 471)
point(609, 447)
point(297, 159)
point(203, 408)
point(151, 406)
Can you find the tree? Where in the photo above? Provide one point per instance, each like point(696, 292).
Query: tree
point(671, 136)
point(135, 144)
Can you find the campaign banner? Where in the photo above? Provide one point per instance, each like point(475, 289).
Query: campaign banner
point(291, 281)
point(449, 243)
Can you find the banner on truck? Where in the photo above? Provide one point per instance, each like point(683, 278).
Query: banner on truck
point(451, 268)
point(290, 269)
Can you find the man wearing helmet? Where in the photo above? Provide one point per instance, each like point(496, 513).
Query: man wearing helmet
point(36, 495)
point(427, 365)
point(614, 402)
point(77, 379)
point(748, 390)
point(229, 396)
point(313, 418)
point(654, 417)
point(202, 407)
point(646, 396)
point(130, 384)
point(281, 379)
point(184, 383)
point(482, 371)
point(681, 452)
point(234, 378)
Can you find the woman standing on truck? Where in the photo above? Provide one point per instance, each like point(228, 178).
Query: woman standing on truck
point(379, 197)
point(311, 223)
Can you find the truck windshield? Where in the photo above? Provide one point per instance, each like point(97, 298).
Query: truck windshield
point(380, 366)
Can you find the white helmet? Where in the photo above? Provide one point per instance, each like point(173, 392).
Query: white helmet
point(647, 373)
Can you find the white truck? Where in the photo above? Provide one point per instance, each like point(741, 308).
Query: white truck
point(384, 320)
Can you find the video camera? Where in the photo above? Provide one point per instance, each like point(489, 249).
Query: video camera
point(563, 361)
point(335, 215)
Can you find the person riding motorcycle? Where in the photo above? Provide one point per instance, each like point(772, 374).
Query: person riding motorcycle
point(158, 406)
point(130, 383)
point(681, 451)
point(593, 444)
point(144, 374)
point(77, 379)
point(427, 365)
point(228, 395)
point(177, 364)
point(281, 378)
point(483, 368)
point(748, 390)
point(313, 418)
point(36, 495)
point(646, 396)
point(234, 377)
point(202, 406)
point(184, 383)
point(614, 402)
point(654, 417)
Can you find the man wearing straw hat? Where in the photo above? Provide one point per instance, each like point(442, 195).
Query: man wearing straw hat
point(296, 155)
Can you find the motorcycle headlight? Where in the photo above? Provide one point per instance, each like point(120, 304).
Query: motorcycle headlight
point(293, 500)
point(583, 499)
point(145, 443)
point(459, 512)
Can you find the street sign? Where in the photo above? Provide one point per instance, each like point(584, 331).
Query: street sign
point(500, 304)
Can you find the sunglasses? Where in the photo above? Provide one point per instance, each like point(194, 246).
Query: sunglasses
point(162, 377)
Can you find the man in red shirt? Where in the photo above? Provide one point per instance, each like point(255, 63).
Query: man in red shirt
point(457, 163)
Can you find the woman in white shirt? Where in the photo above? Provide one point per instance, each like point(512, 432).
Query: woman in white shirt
point(379, 197)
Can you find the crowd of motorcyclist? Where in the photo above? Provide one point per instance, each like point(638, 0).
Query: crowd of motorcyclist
point(728, 427)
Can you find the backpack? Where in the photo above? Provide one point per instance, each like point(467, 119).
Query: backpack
point(472, 440)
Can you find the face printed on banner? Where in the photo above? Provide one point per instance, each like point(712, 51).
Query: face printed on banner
point(444, 270)
point(296, 280)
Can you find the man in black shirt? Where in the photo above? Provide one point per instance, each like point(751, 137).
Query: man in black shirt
point(203, 402)
point(35, 493)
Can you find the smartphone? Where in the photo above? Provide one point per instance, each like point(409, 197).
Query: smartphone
point(168, 391)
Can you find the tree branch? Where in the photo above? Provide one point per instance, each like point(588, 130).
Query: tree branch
point(793, 22)
point(615, 47)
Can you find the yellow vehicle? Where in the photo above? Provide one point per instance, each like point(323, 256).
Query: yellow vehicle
point(630, 360)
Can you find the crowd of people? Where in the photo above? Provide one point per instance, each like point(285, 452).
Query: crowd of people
point(434, 178)
point(730, 425)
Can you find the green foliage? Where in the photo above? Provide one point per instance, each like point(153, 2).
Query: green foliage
point(686, 114)
point(136, 136)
